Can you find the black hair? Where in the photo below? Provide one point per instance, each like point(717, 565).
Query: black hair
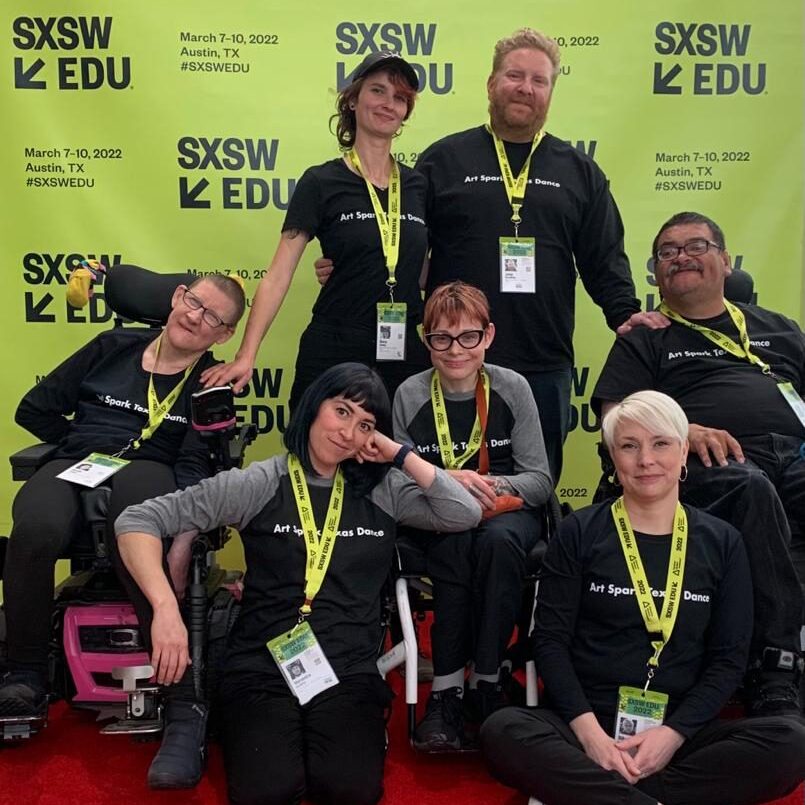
point(682, 218)
point(359, 384)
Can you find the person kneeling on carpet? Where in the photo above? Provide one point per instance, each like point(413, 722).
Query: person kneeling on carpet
point(642, 631)
point(302, 704)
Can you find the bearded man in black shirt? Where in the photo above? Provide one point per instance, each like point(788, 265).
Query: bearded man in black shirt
point(738, 371)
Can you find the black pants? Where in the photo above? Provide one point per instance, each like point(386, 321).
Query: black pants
point(477, 580)
point(764, 499)
point(330, 750)
point(725, 763)
point(47, 518)
point(324, 344)
point(551, 391)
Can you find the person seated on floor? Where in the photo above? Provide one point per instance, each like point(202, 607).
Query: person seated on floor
point(642, 632)
point(738, 372)
point(128, 392)
point(301, 702)
point(480, 423)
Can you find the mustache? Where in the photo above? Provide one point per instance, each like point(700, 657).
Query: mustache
point(675, 268)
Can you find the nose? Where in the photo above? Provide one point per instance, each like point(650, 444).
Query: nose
point(645, 456)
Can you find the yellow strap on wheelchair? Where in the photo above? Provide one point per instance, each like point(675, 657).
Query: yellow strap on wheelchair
point(449, 459)
point(159, 409)
point(319, 550)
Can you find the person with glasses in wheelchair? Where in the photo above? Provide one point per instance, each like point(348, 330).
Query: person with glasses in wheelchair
point(480, 423)
point(124, 398)
point(738, 371)
point(302, 703)
point(642, 631)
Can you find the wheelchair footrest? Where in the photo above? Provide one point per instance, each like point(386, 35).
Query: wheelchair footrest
point(18, 728)
point(134, 726)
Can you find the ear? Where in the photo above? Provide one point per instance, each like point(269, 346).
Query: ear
point(489, 335)
point(177, 295)
point(226, 333)
point(727, 261)
point(490, 82)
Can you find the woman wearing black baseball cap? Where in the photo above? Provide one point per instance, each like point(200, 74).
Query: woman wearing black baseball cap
point(368, 212)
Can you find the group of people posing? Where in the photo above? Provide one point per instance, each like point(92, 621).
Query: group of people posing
point(654, 607)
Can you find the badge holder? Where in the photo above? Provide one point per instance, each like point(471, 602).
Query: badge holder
point(391, 322)
point(517, 260)
point(300, 658)
point(93, 470)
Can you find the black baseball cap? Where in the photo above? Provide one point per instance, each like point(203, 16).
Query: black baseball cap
point(383, 59)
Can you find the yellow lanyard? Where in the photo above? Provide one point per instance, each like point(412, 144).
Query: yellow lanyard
point(742, 350)
point(449, 460)
point(664, 622)
point(158, 409)
point(389, 224)
point(515, 188)
point(319, 552)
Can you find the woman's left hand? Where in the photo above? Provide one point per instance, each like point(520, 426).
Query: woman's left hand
point(655, 748)
point(378, 448)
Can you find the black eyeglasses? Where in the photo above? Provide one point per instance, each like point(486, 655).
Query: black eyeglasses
point(693, 248)
point(210, 317)
point(441, 342)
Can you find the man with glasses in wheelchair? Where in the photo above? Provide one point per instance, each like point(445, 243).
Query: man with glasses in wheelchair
point(122, 402)
point(738, 372)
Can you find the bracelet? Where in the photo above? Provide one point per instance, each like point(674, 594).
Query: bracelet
point(399, 459)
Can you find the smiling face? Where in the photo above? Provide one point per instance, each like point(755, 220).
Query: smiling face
point(458, 365)
point(186, 329)
point(648, 464)
point(520, 94)
point(341, 428)
point(381, 106)
point(693, 286)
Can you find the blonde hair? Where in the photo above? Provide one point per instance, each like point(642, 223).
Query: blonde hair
point(656, 412)
point(527, 38)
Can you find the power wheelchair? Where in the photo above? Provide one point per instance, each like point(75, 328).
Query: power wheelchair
point(97, 656)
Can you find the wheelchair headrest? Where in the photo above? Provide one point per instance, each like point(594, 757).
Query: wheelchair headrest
point(140, 294)
point(739, 286)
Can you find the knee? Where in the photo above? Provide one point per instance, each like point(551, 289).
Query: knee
point(345, 787)
point(33, 541)
point(500, 544)
point(263, 789)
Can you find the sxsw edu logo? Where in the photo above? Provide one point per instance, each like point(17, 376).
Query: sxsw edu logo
point(414, 41)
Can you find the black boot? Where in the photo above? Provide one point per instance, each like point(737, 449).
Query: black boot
point(179, 763)
point(23, 695)
point(772, 686)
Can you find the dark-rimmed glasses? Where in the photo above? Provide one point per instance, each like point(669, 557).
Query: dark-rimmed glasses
point(693, 248)
point(210, 317)
point(441, 342)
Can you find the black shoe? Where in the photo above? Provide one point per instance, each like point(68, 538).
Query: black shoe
point(481, 702)
point(22, 695)
point(179, 763)
point(443, 725)
point(773, 694)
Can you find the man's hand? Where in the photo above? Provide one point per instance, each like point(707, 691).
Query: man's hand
point(652, 319)
point(655, 748)
point(170, 655)
point(479, 486)
point(603, 749)
point(323, 267)
point(237, 372)
point(704, 441)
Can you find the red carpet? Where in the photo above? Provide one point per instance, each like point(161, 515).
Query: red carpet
point(70, 762)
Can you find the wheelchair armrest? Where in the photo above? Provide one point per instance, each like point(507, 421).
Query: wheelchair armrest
point(25, 462)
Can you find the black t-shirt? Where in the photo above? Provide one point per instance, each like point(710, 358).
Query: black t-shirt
point(590, 637)
point(714, 388)
point(568, 210)
point(106, 389)
point(332, 203)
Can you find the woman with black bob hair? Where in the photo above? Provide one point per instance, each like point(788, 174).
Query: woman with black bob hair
point(302, 703)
